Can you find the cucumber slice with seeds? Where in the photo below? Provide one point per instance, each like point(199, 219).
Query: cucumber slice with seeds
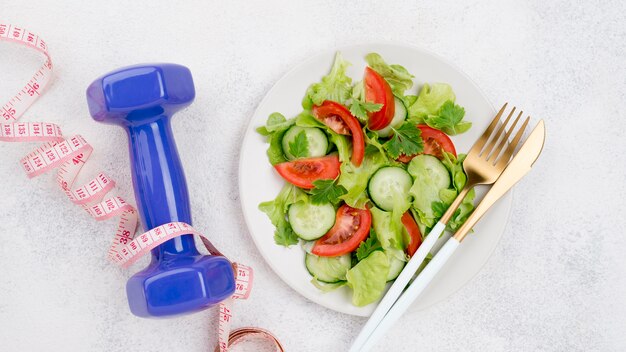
point(328, 269)
point(387, 182)
point(310, 221)
point(316, 140)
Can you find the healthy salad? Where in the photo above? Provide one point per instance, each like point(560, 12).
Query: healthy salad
point(369, 170)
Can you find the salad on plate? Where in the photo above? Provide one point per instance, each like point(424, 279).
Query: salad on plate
point(369, 169)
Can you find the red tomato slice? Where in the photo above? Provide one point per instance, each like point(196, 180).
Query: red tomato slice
point(329, 112)
point(435, 143)
point(378, 91)
point(351, 227)
point(333, 121)
point(414, 232)
point(303, 172)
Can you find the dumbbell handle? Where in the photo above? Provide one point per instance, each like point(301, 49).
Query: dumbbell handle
point(159, 180)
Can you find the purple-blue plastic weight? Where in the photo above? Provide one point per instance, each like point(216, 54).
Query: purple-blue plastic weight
point(142, 100)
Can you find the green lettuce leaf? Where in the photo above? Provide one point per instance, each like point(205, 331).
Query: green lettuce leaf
point(335, 86)
point(429, 101)
point(372, 145)
point(463, 212)
point(306, 119)
point(401, 203)
point(368, 278)
point(275, 122)
point(355, 179)
point(275, 151)
point(398, 77)
point(455, 166)
point(276, 211)
point(387, 234)
point(274, 130)
point(344, 147)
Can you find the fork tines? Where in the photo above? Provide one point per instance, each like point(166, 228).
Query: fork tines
point(489, 146)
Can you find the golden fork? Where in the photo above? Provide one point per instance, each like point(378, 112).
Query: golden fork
point(484, 164)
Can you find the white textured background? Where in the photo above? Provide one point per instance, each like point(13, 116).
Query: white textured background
point(557, 281)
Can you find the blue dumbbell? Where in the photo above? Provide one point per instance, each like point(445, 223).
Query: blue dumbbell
point(142, 100)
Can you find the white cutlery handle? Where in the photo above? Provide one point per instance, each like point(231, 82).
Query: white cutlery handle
point(398, 286)
point(411, 293)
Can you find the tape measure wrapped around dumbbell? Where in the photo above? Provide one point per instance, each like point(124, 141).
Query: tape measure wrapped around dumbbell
point(142, 99)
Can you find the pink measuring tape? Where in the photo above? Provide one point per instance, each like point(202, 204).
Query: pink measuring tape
point(68, 155)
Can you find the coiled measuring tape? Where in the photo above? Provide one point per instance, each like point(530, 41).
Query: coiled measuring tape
point(68, 155)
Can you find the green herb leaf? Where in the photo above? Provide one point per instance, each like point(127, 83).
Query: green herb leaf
point(449, 119)
point(407, 140)
point(368, 246)
point(299, 148)
point(360, 109)
point(327, 191)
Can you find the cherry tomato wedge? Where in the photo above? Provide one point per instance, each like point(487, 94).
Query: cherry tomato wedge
point(303, 172)
point(330, 111)
point(378, 91)
point(414, 233)
point(351, 227)
point(333, 121)
point(435, 143)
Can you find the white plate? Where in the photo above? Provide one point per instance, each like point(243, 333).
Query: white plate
point(259, 182)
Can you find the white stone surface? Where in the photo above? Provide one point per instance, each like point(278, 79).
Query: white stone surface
point(557, 281)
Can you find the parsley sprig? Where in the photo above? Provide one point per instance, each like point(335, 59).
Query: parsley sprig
point(407, 140)
point(449, 119)
point(299, 147)
point(359, 107)
point(326, 191)
point(368, 246)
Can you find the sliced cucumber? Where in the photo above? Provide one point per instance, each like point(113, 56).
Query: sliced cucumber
point(395, 266)
point(387, 182)
point(328, 269)
point(316, 140)
point(398, 118)
point(310, 221)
